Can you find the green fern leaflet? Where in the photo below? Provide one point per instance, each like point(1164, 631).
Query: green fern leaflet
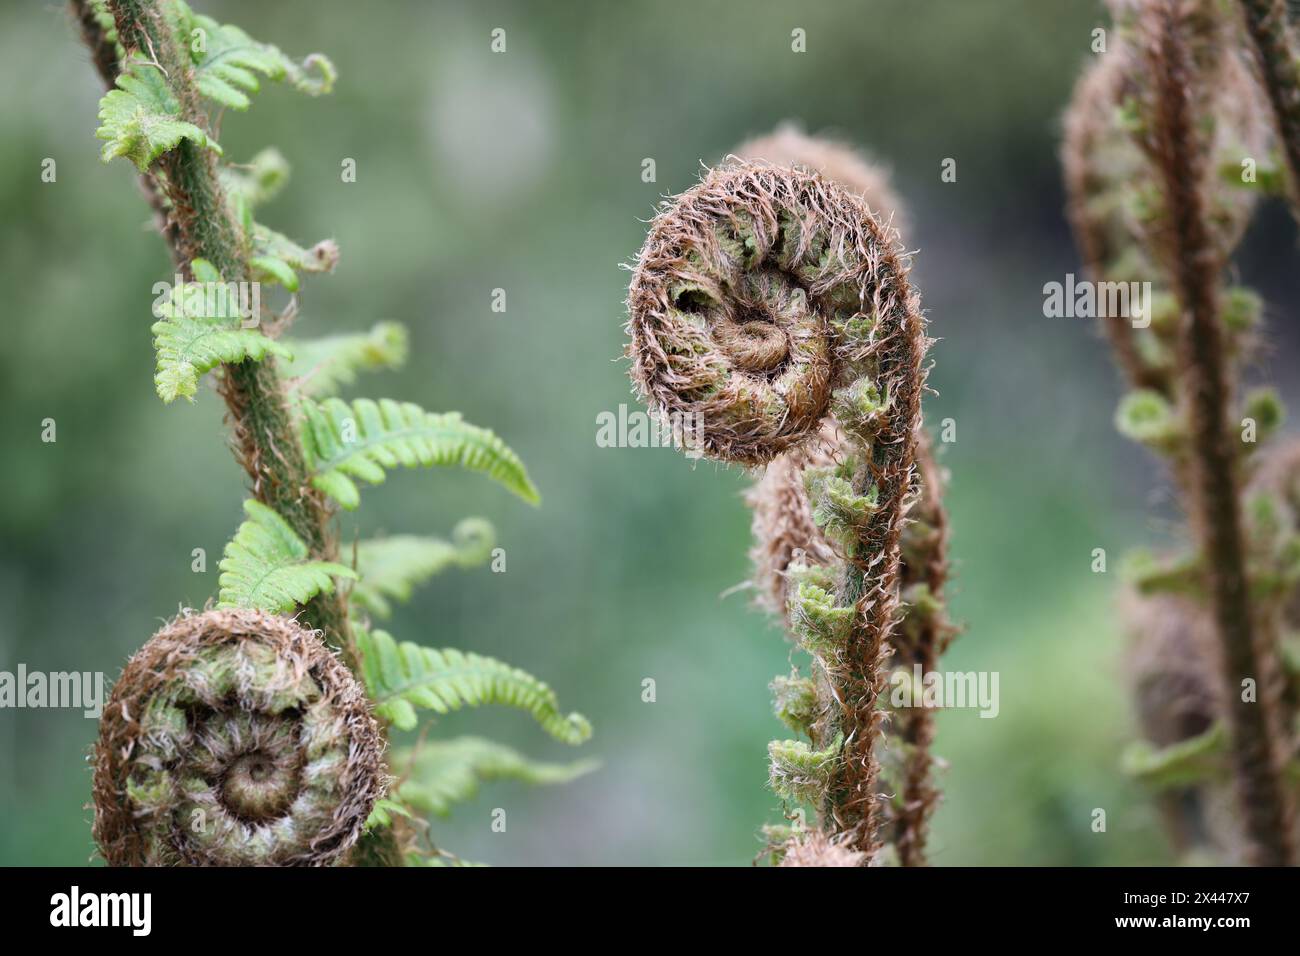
point(402, 677)
point(441, 773)
point(227, 60)
point(267, 566)
point(199, 329)
point(391, 567)
point(363, 439)
point(141, 119)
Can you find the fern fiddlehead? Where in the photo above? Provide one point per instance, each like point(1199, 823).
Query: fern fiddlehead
point(766, 302)
point(234, 737)
point(788, 542)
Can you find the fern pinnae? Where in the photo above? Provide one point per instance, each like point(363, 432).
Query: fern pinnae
point(765, 302)
point(365, 438)
point(268, 567)
point(392, 566)
point(438, 774)
point(199, 328)
point(321, 367)
point(403, 676)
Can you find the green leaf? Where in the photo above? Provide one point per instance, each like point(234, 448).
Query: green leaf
point(1187, 762)
point(799, 773)
point(1145, 416)
point(439, 774)
point(141, 118)
point(402, 677)
point(391, 567)
point(198, 329)
point(323, 366)
point(363, 439)
point(257, 181)
point(267, 566)
point(382, 813)
point(227, 60)
point(277, 258)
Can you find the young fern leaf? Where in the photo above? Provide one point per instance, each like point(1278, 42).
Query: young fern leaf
point(277, 258)
point(226, 61)
point(363, 439)
point(391, 567)
point(446, 772)
point(323, 366)
point(402, 677)
point(257, 181)
point(199, 329)
point(141, 118)
point(383, 812)
point(266, 565)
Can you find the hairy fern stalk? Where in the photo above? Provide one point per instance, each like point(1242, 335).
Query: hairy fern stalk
point(266, 718)
point(1157, 138)
point(770, 304)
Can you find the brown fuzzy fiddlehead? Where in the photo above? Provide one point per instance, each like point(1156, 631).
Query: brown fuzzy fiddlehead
point(787, 540)
point(234, 738)
point(765, 303)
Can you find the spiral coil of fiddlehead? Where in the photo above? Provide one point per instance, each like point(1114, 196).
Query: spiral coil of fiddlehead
point(234, 738)
point(766, 303)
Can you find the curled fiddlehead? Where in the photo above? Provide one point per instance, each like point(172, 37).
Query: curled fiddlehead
point(788, 544)
point(766, 303)
point(234, 738)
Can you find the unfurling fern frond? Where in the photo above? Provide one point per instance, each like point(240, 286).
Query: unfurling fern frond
point(277, 258)
point(391, 567)
point(402, 677)
point(323, 366)
point(363, 439)
point(442, 773)
point(267, 566)
point(200, 328)
point(227, 60)
point(140, 119)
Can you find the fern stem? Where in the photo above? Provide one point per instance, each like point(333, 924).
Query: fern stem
point(929, 566)
point(1278, 59)
point(266, 440)
point(1196, 268)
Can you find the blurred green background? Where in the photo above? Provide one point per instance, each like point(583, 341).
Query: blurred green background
point(522, 171)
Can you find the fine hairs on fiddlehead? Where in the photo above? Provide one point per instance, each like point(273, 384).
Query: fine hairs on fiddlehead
point(1157, 139)
point(788, 543)
point(236, 716)
point(766, 303)
point(235, 738)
